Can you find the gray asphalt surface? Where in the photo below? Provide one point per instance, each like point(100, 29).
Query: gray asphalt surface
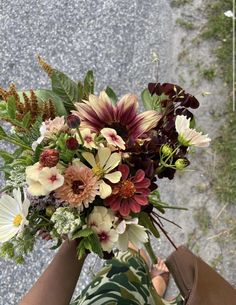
point(115, 38)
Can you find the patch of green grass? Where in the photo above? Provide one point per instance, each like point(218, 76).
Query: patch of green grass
point(203, 218)
point(185, 24)
point(209, 73)
point(178, 3)
point(219, 27)
point(224, 176)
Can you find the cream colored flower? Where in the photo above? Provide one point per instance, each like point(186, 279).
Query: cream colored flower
point(107, 236)
point(88, 138)
point(43, 180)
point(188, 136)
point(113, 138)
point(101, 221)
point(13, 213)
point(102, 165)
point(100, 215)
point(131, 231)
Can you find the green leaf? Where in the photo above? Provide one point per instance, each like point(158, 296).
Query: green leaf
point(145, 220)
point(80, 91)
point(96, 245)
point(26, 119)
point(112, 95)
point(87, 245)
point(80, 249)
point(83, 233)
point(2, 132)
point(13, 139)
point(65, 88)
point(44, 95)
point(7, 157)
point(152, 102)
point(11, 107)
point(147, 99)
point(88, 84)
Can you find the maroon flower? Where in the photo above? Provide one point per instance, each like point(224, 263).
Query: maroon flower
point(99, 112)
point(49, 158)
point(72, 143)
point(130, 193)
point(73, 121)
point(175, 93)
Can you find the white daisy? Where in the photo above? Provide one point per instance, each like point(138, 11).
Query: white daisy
point(188, 136)
point(13, 213)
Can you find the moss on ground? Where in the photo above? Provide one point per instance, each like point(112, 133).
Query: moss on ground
point(219, 28)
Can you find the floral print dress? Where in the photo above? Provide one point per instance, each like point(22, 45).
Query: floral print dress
point(124, 280)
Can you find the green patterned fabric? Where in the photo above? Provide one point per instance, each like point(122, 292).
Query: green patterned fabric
point(123, 280)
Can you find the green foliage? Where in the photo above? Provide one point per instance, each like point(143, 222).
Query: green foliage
point(88, 84)
point(18, 246)
point(89, 243)
point(152, 102)
point(11, 107)
point(65, 88)
point(145, 220)
point(13, 139)
point(219, 27)
point(224, 174)
point(155, 199)
point(178, 3)
point(209, 73)
point(112, 95)
point(82, 233)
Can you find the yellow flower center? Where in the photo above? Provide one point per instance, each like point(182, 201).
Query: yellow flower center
point(17, 220)
point(98, 171)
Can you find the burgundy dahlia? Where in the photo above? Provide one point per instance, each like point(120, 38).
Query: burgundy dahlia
point(49, 158)
point(130, 194)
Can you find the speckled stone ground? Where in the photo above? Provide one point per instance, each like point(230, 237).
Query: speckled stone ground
point(115, 38)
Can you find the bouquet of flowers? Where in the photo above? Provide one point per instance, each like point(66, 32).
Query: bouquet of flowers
point(87, 167)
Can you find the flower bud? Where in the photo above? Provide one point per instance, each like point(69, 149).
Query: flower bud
point(73, 121)
point(72, 143)
point(166, 150)
point(49, 158)
point(50, 210)
point(181, 163)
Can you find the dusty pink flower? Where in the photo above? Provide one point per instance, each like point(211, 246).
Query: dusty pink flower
point(130, 193)
point(80, 186)
point(49, 157)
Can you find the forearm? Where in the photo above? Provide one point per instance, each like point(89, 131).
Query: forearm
point(57, 283)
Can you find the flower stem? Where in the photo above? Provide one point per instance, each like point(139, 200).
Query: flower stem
point(150, 252)
point(80, 136)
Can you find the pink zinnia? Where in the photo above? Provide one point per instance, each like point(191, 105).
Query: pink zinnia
point(80, 186)
point(130, 193)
